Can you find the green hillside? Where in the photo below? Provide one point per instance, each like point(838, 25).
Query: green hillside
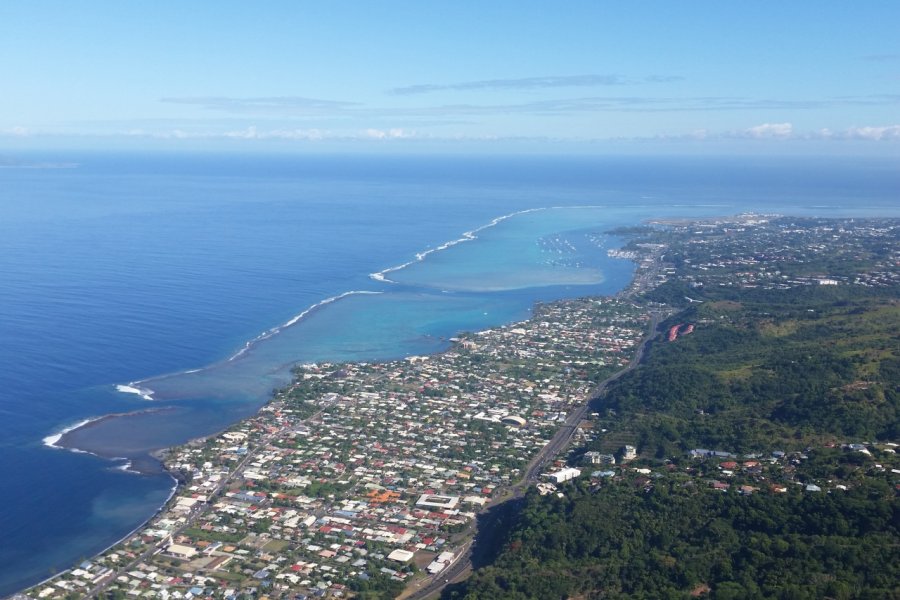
point(765, 416)
point(757, 376)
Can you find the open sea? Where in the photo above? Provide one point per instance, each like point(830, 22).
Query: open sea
point(176, 290)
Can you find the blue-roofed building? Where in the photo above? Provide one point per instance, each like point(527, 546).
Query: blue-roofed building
point(603, 474)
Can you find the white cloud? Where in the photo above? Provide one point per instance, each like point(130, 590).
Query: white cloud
point(890, 132)
point(388, 134)
point(17, 131)
point(767, 132)
point(868, 133)
point(528, 83)
point(787, 133)
point(770, 130)
point(252, 132)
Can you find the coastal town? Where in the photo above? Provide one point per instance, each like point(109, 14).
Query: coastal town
point(369, 477)
point(450, 300)
point(366, 475)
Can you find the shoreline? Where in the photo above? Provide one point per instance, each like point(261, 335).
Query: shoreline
point(172, 493)
point(162, 454)
point(158, 455)
point(467, 236)
point(62, 440)
point(135, 387)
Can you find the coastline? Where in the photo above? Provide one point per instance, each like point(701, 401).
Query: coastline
point(143, 387)
point(467, 236)
point(274, 431)
point(163, 454)
point(64, 439)
point(172, 493)
point(177, 485)
point(651, 186)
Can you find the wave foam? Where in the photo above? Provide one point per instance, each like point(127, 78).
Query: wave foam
point(126, 467)
point(51, 441)
point(467, 236)
point(144, 393)
point(294, 320)
point(380, 276)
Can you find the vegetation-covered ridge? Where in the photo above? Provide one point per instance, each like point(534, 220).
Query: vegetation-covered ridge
point(756, 376)
point(764, 419)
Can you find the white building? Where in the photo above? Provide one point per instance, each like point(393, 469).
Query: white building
point(597, 458)
point(564, 475)
point(438, 501)
point(181, 551)
point(400, 555)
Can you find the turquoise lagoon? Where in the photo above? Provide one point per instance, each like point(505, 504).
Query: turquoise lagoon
point(488, 276)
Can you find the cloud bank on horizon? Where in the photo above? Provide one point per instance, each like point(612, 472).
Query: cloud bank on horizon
point(589, 73)
point(529, 83)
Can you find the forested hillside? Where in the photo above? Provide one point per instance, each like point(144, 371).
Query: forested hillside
point(757, 375)
point(678, 540)
point(765, 416)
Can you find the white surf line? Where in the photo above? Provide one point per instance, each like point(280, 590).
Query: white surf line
point(467, 236)
point(125, 467)
point(131, 388)
point(147, 393)
point(51, 441)
point(472, 235)
point(294, 320)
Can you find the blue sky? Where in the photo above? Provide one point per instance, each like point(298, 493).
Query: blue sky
point(571, 76)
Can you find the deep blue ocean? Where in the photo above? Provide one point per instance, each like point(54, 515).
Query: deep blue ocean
point(177, 274)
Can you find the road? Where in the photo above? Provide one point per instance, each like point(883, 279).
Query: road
point(463, 562)
point(196, 513)
point(564, 434)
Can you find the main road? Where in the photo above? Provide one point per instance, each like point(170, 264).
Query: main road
point(462, 564)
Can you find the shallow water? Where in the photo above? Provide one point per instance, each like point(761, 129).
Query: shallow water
point(527, 257)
